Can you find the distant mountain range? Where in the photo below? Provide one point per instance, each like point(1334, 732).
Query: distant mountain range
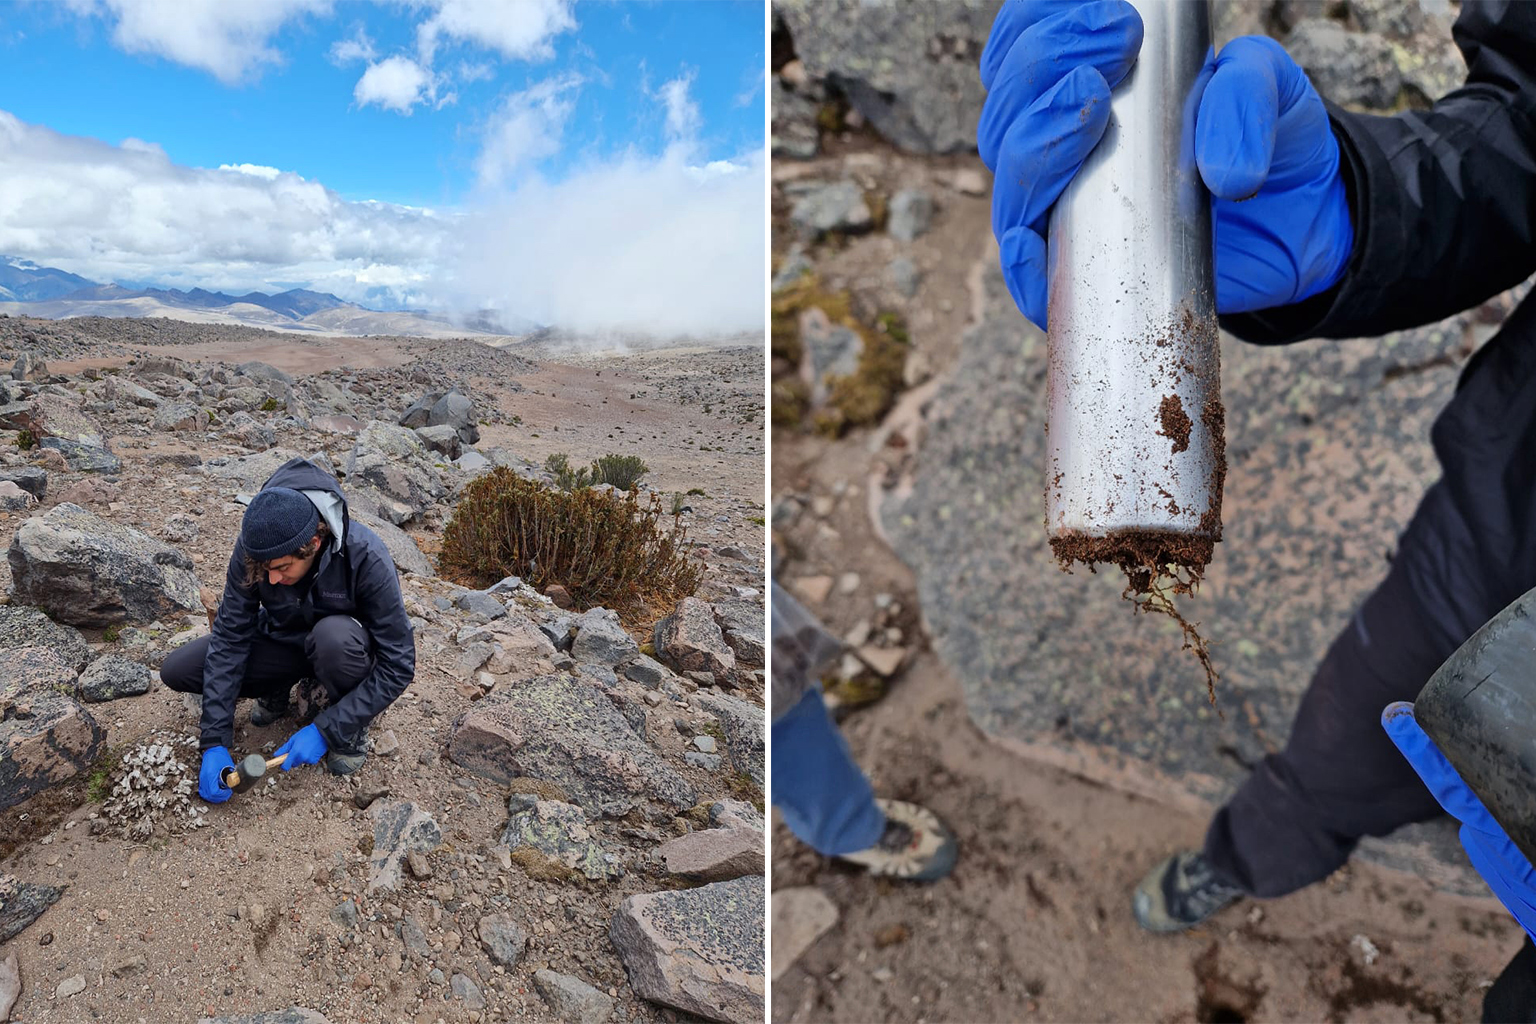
point(27, 289)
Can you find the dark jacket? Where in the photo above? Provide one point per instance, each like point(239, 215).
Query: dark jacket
point(358, 580)
point(1443, 200)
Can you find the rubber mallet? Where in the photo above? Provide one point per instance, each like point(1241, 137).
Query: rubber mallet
point(251, 770)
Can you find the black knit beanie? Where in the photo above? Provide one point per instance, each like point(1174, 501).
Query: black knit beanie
point(278, 523)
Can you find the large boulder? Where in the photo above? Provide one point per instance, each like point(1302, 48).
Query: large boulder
point(558, 831)
point(249, 472)
point(690, 640)
point(110, 677)
point(456, 411)
point(442, 439)
point(601, 640)
point(741, 623)
point(568, 732)
point(714, 854)
point(408, 557)
point(910, 69)
point(21, 626)
point(85, 571)
point(397, 465)
point(83, 458)
point(123, 392)
point(743, 725)
point(46, 736)
point(32, 479)
point(176, 417)
point(21, 903)
point(52, 415)
point(699, 950)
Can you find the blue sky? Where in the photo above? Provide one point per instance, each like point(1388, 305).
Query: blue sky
point(381, 150)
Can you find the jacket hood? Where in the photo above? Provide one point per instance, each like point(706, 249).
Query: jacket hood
point(319, 487)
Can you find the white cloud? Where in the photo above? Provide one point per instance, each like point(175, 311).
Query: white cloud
point(526, 128)
point(355, 48)
point(643, 244)
point(127, 212)
point(682, 111)
point(521, 30)
point(255, 170)
point(395, 83)
point(227, 38)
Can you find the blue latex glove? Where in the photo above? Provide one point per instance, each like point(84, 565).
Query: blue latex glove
point(1263, 144)
point(210, 777)
point(1492, 852)
point(306, 746)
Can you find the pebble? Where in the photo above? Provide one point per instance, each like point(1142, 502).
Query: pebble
point(385, 744)
point(705, 743)
point(364, 798)
point(848, 583)
point(419, 865)
point(70, 987)
point(822, 505)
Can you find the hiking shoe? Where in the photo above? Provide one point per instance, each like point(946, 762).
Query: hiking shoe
point(269, 710)
point(915, 845)
point(344, 762)
point(1180, 893)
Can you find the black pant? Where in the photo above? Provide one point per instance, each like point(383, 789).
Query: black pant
point(1469, 551)
point(1512, 999)
point(337, 654)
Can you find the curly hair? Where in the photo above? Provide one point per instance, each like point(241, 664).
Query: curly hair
point(254, 570)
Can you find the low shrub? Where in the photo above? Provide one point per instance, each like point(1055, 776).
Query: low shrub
point(602, 548)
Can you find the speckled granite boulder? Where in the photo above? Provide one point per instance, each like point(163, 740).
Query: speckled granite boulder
point(699, 950)
point(1327, 445)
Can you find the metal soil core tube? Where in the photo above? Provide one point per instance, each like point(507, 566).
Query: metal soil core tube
point(1135, 446)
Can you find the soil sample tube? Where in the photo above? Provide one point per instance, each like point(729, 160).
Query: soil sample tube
point(1135, 444)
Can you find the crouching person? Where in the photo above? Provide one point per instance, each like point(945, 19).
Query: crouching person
point(310, 595)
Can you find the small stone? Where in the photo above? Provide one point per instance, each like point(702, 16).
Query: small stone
point(421, 868)
point(558, 594)
point(911, 211)
point(365, 798)
point(884, 660)
point(848, 583)
point(709, 762)
point(968, 181)
point(385, 744)
point(103, 915)
point(72, 986)
point(465, 989)
point(124, 969)
point(705, 744)
point(815, 589)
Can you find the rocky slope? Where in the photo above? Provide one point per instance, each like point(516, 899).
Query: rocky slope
point(561, 818)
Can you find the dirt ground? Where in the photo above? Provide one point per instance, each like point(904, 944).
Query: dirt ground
point(1035, 922)
point(240, 916)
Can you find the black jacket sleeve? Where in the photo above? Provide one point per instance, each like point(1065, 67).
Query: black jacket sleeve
point(229, 648)
point(1443, 200)
point(381, 611)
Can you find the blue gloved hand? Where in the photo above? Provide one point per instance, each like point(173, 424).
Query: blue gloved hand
point(1492, 852)
point(306, 746)
point(210, 777)
point(1263, 144)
